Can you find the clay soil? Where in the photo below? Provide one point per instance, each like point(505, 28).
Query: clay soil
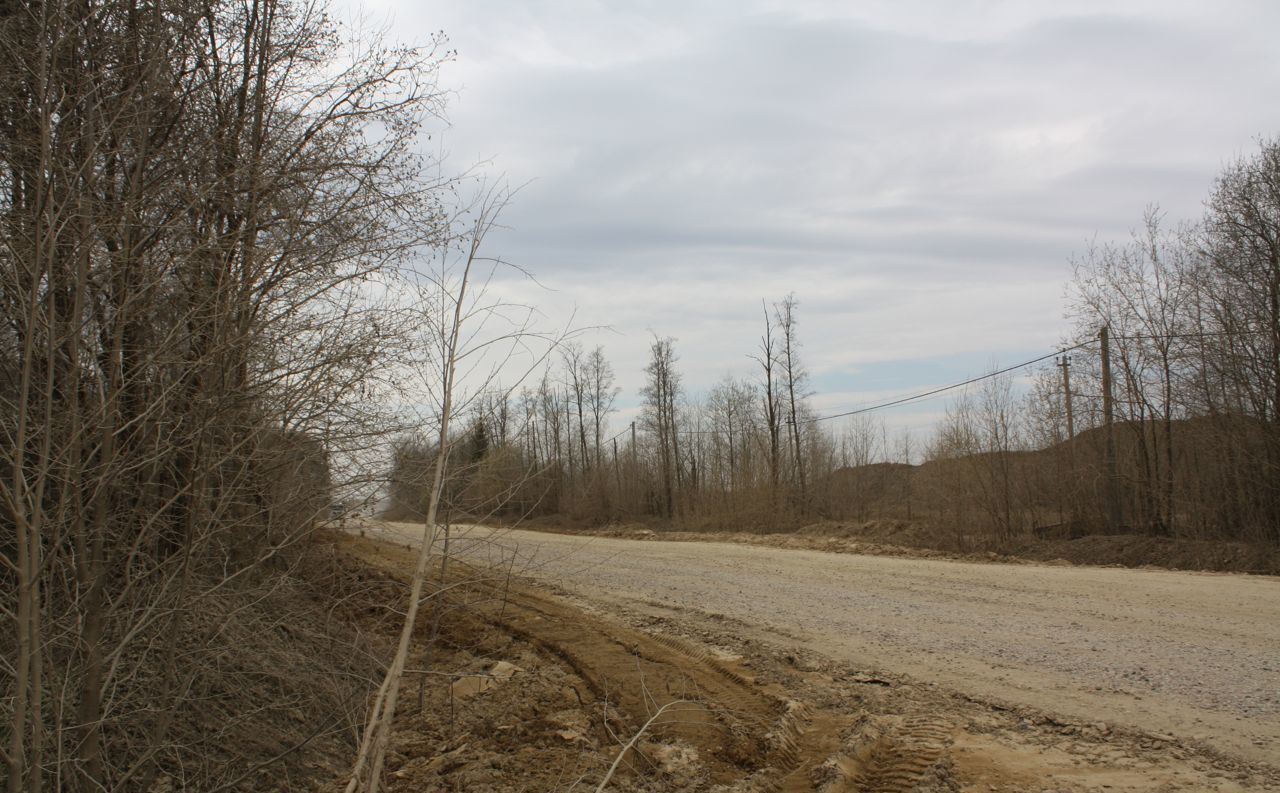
point(531, 687)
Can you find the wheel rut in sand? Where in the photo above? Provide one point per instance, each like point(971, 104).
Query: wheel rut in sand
point(887, 758)
point(743, 731)
point(753, 715)
point(746, 735)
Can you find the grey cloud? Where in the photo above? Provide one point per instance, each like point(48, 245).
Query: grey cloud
point(701, 156)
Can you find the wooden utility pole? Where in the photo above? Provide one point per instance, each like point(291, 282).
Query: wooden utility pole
point(635, 466)
point(617, 472)
point(1108, 417)
point(568, 434)
point(1071, 479)
point(1065, 363)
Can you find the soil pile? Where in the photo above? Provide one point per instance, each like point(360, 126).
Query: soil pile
point(915, 539)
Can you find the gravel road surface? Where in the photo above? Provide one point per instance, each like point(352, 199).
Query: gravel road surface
point(1193, 655)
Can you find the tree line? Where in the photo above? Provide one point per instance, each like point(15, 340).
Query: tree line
point(1192, 447)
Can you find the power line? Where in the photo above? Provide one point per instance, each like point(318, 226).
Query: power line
point(971, 381)
point(944, 389)
point(934, 392)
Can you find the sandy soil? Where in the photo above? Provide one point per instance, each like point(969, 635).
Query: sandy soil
point(1193, 655)
point(948, 675)
point(530, 692)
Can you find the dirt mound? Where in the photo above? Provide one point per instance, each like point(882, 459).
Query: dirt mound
point(910, 538)
point(1129, 550)
point(1125, 550)
point(893, 532)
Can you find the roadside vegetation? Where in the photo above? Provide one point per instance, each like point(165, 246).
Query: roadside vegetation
point(1178, 439)
point(203, 208)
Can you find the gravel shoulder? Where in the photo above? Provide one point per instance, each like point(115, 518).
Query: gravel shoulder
point(1194, 656)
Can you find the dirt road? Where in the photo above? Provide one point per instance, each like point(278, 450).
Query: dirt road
point(1195, 656)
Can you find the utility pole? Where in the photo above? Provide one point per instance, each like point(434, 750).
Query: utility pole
point(1070, 494)
point(1108, 417)
point(568, 435)
point(1065, 363)
point(635, 462)
point(617, 472)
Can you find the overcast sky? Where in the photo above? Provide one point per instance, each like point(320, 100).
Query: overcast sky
point(918, 173)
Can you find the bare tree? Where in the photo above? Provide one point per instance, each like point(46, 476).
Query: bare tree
point(794, 380)
point(1140, 291)
point(467, 329)
point(1241, 240)
point(601, 393)
point(576, 396)
point(732, 407)
point(661, 391)
point(767, 358)
point(191, 211)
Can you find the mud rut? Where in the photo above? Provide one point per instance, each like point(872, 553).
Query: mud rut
point(749, 737)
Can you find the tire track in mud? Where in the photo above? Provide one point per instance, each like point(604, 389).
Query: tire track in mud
point(892, 759)
point(743, 732)
point(594, 677)
point(742, 729)
point(772, 742)
point(814, 736)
